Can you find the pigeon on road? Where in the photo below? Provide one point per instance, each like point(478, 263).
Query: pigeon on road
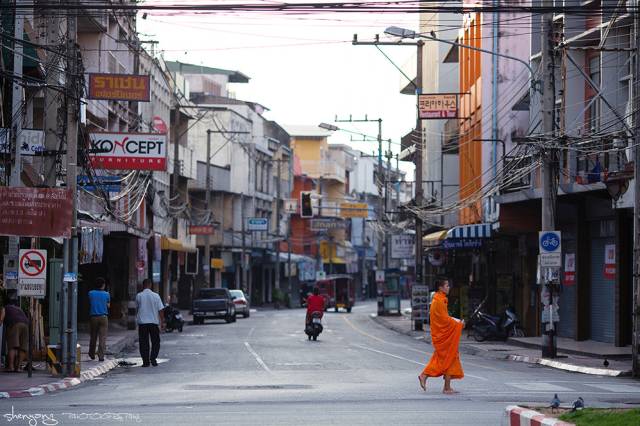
point(555, 403)
point(578, 404)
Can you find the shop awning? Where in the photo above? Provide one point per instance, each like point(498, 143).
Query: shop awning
point(479, 230)
point(335, 261)
point(434, 239)
point(167, 243)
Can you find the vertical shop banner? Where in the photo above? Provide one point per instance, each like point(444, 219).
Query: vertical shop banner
point(569, 269)
point(610, 261)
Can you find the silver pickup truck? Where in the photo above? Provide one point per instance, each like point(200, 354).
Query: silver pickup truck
point(213, 303)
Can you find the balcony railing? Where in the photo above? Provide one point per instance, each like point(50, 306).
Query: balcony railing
point(323, 169)
point(515, 176)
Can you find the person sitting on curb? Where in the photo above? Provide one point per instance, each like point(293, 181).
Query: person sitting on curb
point(17, 326)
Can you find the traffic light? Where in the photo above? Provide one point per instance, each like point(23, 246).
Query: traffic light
point(306, 209)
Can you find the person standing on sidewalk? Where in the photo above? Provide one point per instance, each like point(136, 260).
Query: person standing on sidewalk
point(99, 304)
point(17, 326)
point(445, 337)
point(150, 318)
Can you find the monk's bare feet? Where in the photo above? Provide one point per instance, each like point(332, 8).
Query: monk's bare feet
point(423, 382)
point(449, 391)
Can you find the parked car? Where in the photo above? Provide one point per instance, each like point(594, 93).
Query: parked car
point(241, 302)
point(213, 303)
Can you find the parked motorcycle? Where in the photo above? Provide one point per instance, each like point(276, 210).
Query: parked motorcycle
point(173, 319)
point(314, 327)
point(484, 326)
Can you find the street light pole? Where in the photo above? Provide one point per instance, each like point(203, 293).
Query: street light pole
point(207, 242)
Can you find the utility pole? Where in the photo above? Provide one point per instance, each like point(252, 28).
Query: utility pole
point(636, 209)
point(243, 278)
point(417, 159)
point(549, 348)
point(176, 159)
point(52, 98)
point(380, 257)
point(69, 328)
point(278, 189)
point(207, 242)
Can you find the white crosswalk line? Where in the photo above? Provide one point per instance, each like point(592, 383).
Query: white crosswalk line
point(612, 387)
point(539, 386)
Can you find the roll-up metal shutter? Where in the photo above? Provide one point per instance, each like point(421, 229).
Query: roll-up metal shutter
point(567, 324)
point(602, 293)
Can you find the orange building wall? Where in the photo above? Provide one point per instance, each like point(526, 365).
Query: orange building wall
point(470, 120)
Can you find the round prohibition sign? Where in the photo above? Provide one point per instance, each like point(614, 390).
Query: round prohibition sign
point(32, 259)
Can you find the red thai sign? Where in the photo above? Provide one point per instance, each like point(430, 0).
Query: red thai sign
point(610, 261)
point(129, 151)
point(569, 269)
point(35, 212)
point(201, 229)
point(119, 87)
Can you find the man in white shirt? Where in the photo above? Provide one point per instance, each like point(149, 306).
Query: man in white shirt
point(150, 318)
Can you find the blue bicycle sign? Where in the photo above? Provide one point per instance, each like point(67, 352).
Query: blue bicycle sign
point(549, 241)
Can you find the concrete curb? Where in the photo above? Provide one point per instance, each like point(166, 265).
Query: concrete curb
point(569, 367)
point(471, 350)
point(518, 416)
point(65, 383)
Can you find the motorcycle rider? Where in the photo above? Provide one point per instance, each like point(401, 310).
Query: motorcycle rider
point(315, 303)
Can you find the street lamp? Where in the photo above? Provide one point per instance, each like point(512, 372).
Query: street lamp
point(405, 33)
point(329, 127)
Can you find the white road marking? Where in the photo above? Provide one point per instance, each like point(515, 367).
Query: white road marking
point(257, 357)
point(422, 352)
point(407, 359)
point(251, 332)
point(615, 387)
point(539, 386)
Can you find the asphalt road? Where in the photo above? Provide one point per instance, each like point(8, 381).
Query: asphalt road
point(263, 371)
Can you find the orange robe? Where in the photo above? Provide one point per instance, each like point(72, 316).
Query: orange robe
point(445, 337)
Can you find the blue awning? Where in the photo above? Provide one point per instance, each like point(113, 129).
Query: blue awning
point(480, 230)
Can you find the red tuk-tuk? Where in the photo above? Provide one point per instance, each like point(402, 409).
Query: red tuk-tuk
point(338, 292)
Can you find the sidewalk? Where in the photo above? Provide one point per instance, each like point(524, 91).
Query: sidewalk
point(18, 385)
point(580, 357)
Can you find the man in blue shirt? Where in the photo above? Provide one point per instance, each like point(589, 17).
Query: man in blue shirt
point(99, 302)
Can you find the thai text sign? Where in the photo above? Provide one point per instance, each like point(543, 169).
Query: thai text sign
point(327, 224)
point(201, 229)
point(257, 224)
point(402, 246)
point(354, 210)
point(35, 212)
point(129, 151)
point(119, 87)
point(610, 261)
point(438, 105)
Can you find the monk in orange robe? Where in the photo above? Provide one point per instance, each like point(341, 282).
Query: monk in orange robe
point(445, 337)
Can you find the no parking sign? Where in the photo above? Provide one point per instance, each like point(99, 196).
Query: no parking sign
point(32, 273)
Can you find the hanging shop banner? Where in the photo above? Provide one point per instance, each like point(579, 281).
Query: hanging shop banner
point(569, 269)
point(402, 246)
point(438, 105)
point(91, 245)
point(35, 212)
point(31, 141)
point(119, 87)
point(129, 151)
point(610, 261)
